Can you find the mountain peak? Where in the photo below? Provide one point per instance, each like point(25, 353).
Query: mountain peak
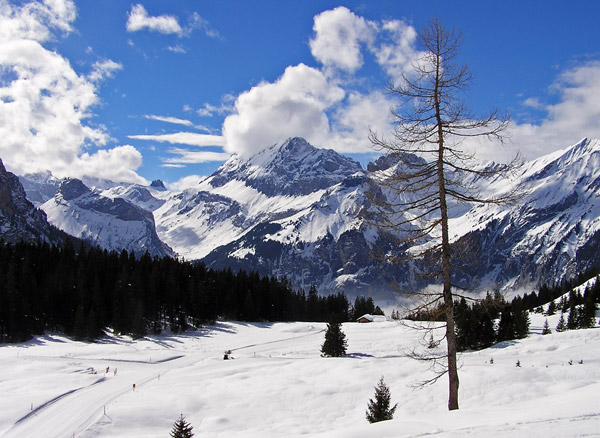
point(158, 185)
point(292, 168)
point(71, 188)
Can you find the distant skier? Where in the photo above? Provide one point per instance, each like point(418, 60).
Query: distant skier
point(115, 372)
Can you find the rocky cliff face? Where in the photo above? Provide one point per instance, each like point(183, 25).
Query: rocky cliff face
point(19, 219)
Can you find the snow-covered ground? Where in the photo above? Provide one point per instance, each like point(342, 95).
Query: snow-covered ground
point(278, 385)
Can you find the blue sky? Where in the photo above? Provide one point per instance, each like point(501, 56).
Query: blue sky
point(135, 91)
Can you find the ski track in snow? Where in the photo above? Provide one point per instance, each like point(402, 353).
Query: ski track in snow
point(41, 416)
point(278, 385)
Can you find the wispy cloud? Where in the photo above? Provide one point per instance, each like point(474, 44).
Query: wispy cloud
point(187, 138)
point(138, 19)
point(166, 119)
point(177, 49)
point(104, 69)
point(185, 156)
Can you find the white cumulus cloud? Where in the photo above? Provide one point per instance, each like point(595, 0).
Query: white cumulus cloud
point(139, 19)
point(45, 106)
point(574, 116)
point(339, 34)
point(187, 182)
point(294, 105)
point(395, 50)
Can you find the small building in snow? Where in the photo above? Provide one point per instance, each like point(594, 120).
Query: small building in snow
point(371, 318)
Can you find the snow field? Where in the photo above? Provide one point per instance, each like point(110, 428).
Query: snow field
point(278, 385)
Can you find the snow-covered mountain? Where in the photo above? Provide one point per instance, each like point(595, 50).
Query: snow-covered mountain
point(113, 223)
point(291, 210)
point(295, 211)
point(553, 233)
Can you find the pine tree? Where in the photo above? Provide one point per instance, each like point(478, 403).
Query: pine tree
point(182, 429)
point(521, 323)
point(573, 317)
point(561, 326)
point(587, 315)
point(546, 330)
point(379, 408)
point(335, 340)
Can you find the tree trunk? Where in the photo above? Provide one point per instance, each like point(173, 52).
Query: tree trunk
point(446, 254)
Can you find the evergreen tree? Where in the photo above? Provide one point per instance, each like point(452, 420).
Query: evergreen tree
point(561, 326)
point(379, 407)
point(546, 330)
point(138, 324)
point(573, 318)
point(506, 325)
point(335, 340)
point(587, 317)
point(79, 328)
point(181, 429)
point(521, 323)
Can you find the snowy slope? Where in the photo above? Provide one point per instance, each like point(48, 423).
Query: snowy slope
point(278, 385)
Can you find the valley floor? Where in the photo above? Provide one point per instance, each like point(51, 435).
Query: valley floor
point(278, 385)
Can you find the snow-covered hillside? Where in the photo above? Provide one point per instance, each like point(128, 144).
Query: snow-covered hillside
point(278, 385)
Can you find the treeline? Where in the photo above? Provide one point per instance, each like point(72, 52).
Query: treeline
point(483, 323)
point(580, 309)
point(80, 293)
point(549, 293)
point(475, 323)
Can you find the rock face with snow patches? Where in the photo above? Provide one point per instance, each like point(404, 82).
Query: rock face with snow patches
point(112, 223)
point(19, 219)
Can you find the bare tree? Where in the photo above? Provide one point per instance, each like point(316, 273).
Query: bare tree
point(435, 170)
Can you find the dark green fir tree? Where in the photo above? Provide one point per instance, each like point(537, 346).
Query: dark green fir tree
point(561, 326)
point(546, 330)
point(181, 429)
point(379, 406)
point(335, 340)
